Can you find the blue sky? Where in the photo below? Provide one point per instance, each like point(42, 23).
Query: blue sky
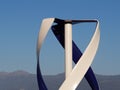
point(19, 26)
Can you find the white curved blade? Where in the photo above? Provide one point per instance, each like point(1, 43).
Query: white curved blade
point(45, 27)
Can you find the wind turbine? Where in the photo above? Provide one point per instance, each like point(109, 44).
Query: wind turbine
point(63, 32)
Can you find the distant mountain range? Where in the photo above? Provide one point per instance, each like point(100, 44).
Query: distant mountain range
point(21, 80)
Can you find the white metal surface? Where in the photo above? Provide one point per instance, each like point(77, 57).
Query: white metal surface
point(68, 49)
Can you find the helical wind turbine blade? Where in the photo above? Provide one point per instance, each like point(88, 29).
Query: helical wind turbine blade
point(45, 26)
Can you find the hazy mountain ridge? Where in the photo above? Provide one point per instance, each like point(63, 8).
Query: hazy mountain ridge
point(15, 73)
point(22, 80)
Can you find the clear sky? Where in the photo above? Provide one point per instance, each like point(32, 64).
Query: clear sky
point(19, 26)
